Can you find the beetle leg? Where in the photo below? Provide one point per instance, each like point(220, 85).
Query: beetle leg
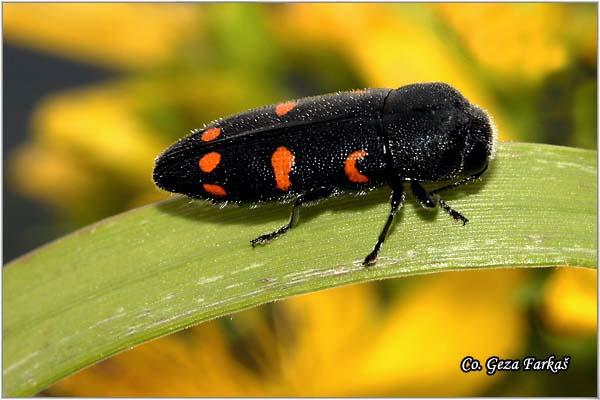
point(396, 201)
point(294, 215)
point(452, 212)
point(428, 201)
point(266, 238)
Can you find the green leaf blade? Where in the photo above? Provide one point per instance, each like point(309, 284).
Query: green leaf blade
point(160, 268)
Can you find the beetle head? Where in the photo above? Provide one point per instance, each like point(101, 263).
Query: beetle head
point(435, 133)
point(481, 135)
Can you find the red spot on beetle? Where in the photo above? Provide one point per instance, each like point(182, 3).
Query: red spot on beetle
point(215, 190)
point(282, 162)
point(210, 134)
point(284, 108)
point(350, 169)
point(209, 161)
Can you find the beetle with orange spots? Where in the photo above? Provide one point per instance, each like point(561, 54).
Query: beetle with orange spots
point(313, 148)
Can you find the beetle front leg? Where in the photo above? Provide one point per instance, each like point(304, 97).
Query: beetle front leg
point(396, 201)
point(428, 201)
point(453, 213)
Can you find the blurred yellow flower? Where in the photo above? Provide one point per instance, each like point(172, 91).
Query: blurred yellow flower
point(115, 35)
point(54, 178)
point(522, 40)
point(339, 342)
point(389, 45)
point(570, 304)
point(89, 147)
point(99, 125)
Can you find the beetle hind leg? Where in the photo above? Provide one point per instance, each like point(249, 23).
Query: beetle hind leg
point(294, 215)
point(268, 237)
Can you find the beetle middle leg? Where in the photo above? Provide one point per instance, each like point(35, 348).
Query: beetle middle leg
point(396, 201)
point(427, 200)
point(309, 197)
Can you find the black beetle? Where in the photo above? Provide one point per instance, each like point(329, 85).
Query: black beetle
point(313, 148)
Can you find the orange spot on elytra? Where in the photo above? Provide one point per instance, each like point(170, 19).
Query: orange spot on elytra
point(209, 161)
point(284, 108)
point(282, 162)
point(215, 190)
point(350, 169)
point(210, 134)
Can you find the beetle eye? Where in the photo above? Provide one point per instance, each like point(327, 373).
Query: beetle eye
point(476, 158)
